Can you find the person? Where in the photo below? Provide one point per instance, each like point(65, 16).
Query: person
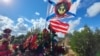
point(4, 49)
point(5, 46)
point(7, 35)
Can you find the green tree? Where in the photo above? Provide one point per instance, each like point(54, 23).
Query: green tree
point(97, 36)
point(18, 39)
point(28, 34)
point(85, 42)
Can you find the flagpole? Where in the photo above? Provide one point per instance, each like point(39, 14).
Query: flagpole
point(51, 47)
point(47, 13)
point(51, 33)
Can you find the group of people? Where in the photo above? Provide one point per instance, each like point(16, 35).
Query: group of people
point(38, 44)
point(42, 44)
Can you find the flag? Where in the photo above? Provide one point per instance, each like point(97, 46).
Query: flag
point(58, 26)
point(27, 41)
point(33, 41)
point(33, 38)
point(73, 6)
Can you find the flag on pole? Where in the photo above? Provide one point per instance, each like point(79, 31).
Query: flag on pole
point(58, 26)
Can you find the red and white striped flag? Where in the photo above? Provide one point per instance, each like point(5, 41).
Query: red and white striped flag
point(32, 40)
point(58, 26)
point(27, 41)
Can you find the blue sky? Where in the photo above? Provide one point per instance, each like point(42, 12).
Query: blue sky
point(22, 15)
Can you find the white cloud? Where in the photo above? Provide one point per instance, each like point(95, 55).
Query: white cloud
point(73, 24)
point(38, 23)
point(80, 29)
point(20, 20)
point(60, 35)
point(45, 0)
point(27, 20)
point(37, 13)
point(94, 9)
point(5, 22)
point(19, 28)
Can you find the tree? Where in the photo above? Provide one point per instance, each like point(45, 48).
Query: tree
point(85, 42)
point(17, 39)
point(97, 36)
point(28, 34)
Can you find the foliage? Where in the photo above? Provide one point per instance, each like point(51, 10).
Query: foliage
point(86, 42)
point(18, 39)
point(21, 38)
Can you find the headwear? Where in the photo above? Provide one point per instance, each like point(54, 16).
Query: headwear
point(7, 30)
point(45, 30)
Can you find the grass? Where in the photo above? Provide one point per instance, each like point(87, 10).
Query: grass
point(98, 53)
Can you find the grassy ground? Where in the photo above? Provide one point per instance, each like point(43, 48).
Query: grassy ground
point(98, 54)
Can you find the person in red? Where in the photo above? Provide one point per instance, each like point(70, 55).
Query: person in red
point(5, 43)
point(4, 49)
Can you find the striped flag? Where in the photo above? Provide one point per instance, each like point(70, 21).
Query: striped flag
point(58, 26)
point(26, 43)
point(32, 40)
